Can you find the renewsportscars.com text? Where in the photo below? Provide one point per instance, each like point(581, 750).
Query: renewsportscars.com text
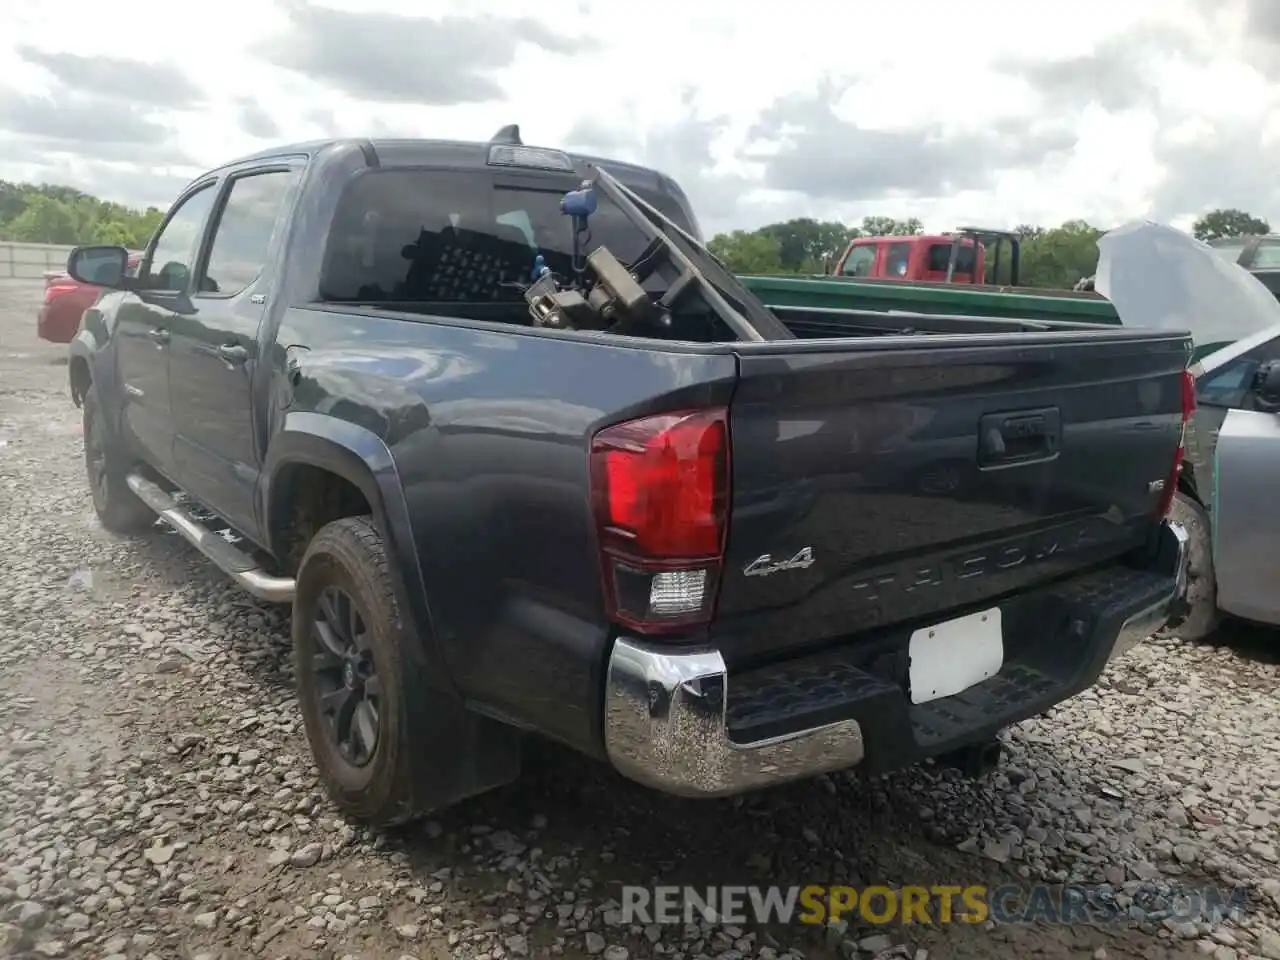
point(1011, 903)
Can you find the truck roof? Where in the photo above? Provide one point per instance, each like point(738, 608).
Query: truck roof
point(467, 154)
point(396, 151)
point(906, 238)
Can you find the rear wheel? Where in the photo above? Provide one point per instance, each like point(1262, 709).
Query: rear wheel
point(117, 507)
point(353, 681)
point(1202, 586)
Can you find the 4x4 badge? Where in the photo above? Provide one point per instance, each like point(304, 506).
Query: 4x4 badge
point(764, 565)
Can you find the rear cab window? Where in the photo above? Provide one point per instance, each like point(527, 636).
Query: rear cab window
point(446, 236)
point(940, 256)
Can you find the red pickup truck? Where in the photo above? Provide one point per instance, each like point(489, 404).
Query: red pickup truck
point(65, 300)
point(909, 258)
point(959, 257)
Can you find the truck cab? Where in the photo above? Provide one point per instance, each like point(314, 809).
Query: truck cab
point(957, 257)
point(908, 258)
point(1260, 255)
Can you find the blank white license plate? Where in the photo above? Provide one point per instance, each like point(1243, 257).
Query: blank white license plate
point(953, 656)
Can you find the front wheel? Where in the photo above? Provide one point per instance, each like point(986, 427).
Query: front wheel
point(1202, 615)
point(118, 508)
point(353, 680)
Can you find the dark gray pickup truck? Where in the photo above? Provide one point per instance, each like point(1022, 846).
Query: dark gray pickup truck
point(524, 457)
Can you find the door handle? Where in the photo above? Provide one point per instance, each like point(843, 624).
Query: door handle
point(159, 335)
point(1019, 437)
point(233, 353)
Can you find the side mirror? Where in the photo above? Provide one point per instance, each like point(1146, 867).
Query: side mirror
point(101, 266)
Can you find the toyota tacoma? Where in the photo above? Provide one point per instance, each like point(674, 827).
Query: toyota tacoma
point(525, 458)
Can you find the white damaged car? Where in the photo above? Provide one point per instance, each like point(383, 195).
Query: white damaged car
point(1160, 277)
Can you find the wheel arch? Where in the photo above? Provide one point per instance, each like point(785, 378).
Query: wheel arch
point(311, 446)
point(82, 364)
point(1189, 485)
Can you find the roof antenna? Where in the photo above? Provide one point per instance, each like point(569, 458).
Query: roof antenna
point(509, 134)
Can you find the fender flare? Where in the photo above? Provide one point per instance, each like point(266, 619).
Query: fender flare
point(85, 347)
point(99, 357)
point(362, 458)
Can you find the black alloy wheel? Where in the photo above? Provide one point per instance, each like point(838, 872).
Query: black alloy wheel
point(347, 684)
point(95, 461)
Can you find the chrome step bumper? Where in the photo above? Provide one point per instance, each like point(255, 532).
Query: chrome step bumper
point(666, 728)
point(669, 723)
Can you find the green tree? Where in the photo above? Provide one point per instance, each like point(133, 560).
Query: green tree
point(51, 213)
point(890, 227)
point(112, 232)
point(1217, 224)
point(45, 220)
point(1059, 256)
point(748, 251)
point(806, 245)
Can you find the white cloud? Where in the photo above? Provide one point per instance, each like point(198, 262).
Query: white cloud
point(993, 112)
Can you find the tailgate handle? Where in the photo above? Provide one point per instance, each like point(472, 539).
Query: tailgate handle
point(1019, 437)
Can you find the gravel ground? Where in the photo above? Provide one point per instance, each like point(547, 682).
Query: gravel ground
point(159, 800)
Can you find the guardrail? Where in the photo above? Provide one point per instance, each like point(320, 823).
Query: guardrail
point(30, 261)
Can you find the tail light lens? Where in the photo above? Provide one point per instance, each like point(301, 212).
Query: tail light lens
point(56, 288)
point(660, 495)
point(1188, 408)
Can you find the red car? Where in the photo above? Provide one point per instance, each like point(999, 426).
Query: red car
point(65, 300)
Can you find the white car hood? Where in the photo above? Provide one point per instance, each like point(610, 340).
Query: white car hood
point(1163, 278)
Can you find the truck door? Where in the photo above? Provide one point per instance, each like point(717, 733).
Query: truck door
point(144, 327)
point(215, 351)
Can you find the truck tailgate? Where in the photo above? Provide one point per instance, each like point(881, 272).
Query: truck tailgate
point(909, 480)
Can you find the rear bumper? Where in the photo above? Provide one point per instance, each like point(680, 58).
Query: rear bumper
point(673, 722)
point(57, 322)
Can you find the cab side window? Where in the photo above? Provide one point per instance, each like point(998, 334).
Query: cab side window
point(897, 260)
point(1226, 386)
point(242, 239)
point(861, 261)
point(1267, 256)
point(173, 254)
point(1230, 385)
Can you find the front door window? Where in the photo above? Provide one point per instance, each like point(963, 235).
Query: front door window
point(173, 252)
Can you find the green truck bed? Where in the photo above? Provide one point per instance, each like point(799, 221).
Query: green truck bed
point(851, 293)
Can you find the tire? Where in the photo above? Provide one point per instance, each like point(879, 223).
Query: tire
point(118, 508)
point(378, 783)
point(1202, 615)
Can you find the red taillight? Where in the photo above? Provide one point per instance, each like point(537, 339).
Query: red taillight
point(57, 288)
point(1188, 408)
point(660, 492)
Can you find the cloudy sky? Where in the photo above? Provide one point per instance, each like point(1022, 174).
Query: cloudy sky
point(989, 111)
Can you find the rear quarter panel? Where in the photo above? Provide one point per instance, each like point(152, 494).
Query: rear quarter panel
point(1243, 515)
point(60, 317)
point(489, 430)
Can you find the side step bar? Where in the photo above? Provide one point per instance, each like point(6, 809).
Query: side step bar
point(237, 564)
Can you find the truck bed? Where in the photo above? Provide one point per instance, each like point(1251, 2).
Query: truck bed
point(952, 298)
